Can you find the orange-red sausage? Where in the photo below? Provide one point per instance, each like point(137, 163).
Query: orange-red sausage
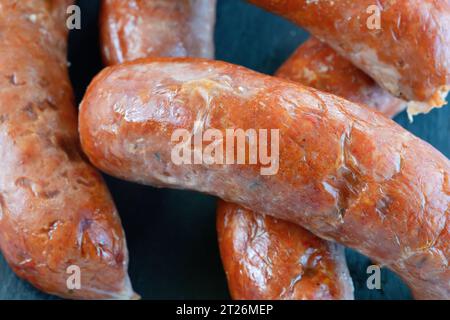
point(55, 210)
point(327, 275)
point(267, 258)
point(262, 256)
point(346, 173)
point(316, 65)
point(160, 28)
point(58, 9)
point(403, 45)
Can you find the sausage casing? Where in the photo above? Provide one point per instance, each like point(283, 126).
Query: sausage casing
point(267, 258)
point(55, 210)
point(403, 45)
point(277, 270)
point(325, 274)
point(175, 28)
point(346, 173)
point(316, 65)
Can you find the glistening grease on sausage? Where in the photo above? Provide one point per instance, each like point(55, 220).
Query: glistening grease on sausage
point(321, 271)
point(57, 218)
point(346, 173)
point(159, 28)
point(316, 65)
point(403, 45)
point(266, 258)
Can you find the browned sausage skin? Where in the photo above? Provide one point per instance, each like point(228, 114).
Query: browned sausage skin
point(267, 259)
point(55, 210)
point(58, 9)
point(263, 257)
point(407, 52)
point(316, 65)
point(327, 276)
point(141, 28)
point(346, 173)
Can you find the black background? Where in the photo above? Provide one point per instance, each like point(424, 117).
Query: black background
point(171, 234)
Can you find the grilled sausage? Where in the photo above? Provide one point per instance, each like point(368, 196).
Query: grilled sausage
point(316, 65)
point(325, 275)
point(403, 45)
point(345, 173)
point(266, 258)
point(58, 9)
point(175, 28)
point(55, 210)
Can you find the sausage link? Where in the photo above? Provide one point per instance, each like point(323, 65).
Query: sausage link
point(316, 65)
point(282, 247)
point(58, 9)
point(326, 276)
point(267, 258)
point(55, 210)
point(177, 28)
point(403, 45)
point(345, 173)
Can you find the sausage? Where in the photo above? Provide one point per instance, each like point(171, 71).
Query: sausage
point(266, 258)
point(326, 276)
point(316, 65)
point(57, 217)
point(345, 173)
point(177, 28)
point(58, 9)
point(281, 247)
point(403, 45)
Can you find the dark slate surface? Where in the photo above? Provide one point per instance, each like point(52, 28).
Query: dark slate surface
point(171, 234)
